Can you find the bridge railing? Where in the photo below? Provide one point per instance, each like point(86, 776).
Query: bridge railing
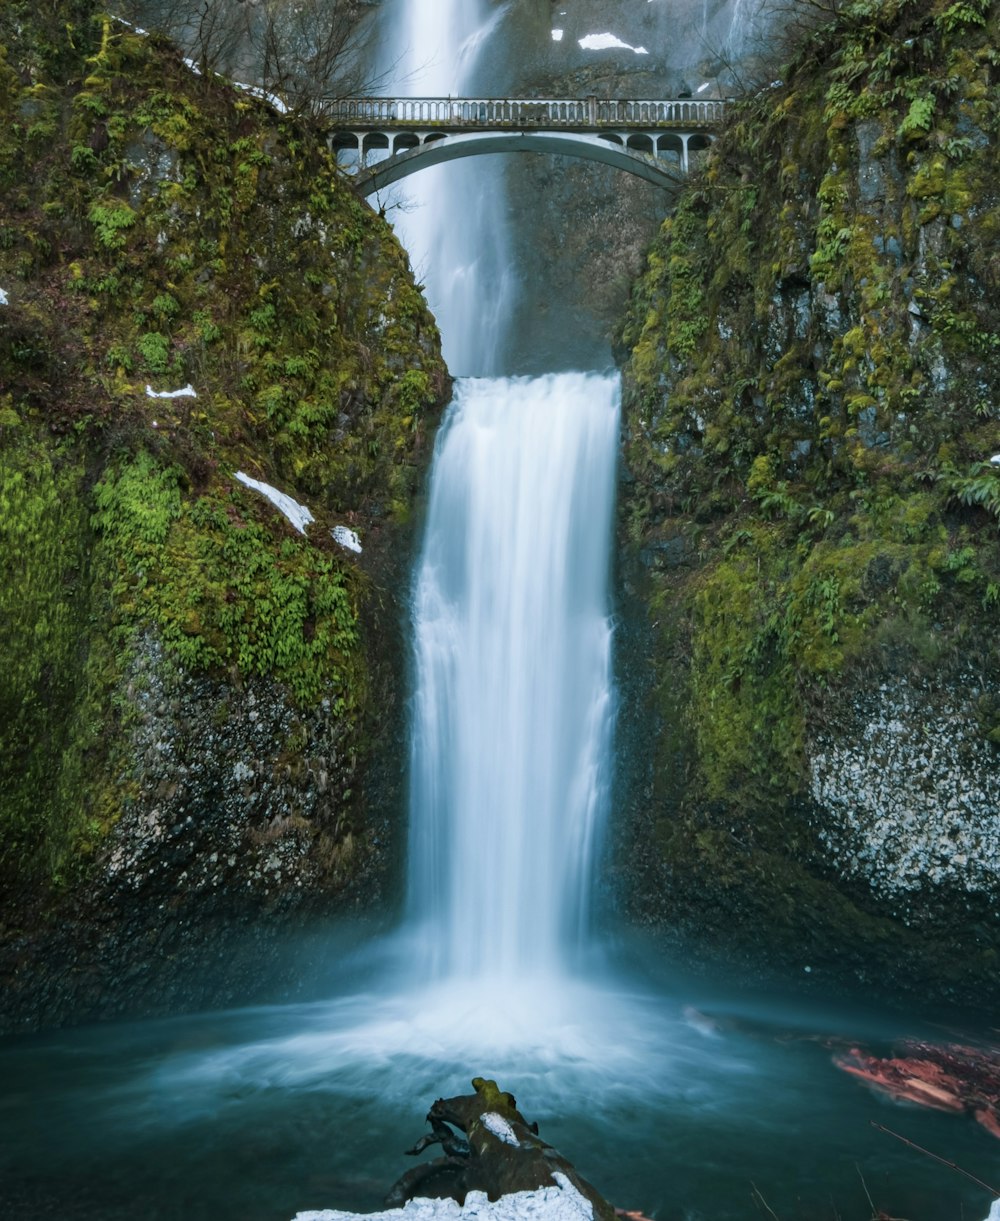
point(517, 112)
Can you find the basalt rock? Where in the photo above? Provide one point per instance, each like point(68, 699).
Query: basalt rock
point(199, 719)
point(810, 554)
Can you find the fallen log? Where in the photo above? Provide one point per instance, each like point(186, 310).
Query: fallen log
point(960, 1078)
point(498, 1153)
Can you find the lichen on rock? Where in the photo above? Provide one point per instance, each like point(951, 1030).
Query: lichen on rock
point(908, 790)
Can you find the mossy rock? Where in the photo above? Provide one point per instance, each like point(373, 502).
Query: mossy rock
point(811, 402)
point(161, 229)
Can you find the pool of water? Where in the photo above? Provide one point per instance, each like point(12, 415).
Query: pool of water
point(672, 1101)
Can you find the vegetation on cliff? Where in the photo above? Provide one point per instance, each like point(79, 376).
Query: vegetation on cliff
point(159, 227)
point(813, 397)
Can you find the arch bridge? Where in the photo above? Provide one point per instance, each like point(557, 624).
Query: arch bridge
point(386, 139)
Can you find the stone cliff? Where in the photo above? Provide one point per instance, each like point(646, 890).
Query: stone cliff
point(200, 736)
point(811, 560)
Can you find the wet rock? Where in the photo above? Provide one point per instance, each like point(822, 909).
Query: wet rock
point(824, 781)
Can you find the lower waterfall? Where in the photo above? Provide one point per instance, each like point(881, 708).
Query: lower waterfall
point(513, 704)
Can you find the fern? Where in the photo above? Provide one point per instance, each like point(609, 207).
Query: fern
point(981, 487)
point(918, 119)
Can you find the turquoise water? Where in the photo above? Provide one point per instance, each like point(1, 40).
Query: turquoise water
point(676, 1103)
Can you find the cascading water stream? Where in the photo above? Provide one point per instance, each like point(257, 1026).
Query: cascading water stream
point(512, 703)
point(740, 27)
point(513, 693)
point(450, 218)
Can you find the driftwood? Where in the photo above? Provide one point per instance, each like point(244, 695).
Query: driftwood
point(487, 1146)
point(955, 1077)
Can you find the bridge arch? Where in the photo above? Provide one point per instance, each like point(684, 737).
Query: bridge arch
point(634, 154)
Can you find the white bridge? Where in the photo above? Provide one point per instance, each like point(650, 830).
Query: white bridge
point(386, 139)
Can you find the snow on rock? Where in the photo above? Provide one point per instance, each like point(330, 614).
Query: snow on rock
point(185, 392)
point(500, 1127)
point(908, 790)
point(347, 538)
point(601, 42)
point(557, 35)
point(995, 460)
point(297, 514)
point(3, 298)
point(257, 92)
point(560, 1203)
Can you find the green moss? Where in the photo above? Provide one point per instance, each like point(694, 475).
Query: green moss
point(162, 227)
point(222, 590)
point(57, 670)
point(747, 726)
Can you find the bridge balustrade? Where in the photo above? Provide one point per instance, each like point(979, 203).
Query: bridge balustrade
point(388, 138)
point(548, 112)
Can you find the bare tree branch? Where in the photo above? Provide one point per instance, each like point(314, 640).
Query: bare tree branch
point(306, 52)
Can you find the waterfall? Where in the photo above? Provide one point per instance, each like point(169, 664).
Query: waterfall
point(512, 713)
point(512, 703)
point(451, 217)
point(740, 25)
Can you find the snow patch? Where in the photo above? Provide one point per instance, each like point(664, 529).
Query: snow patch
point(297, 514)
point(347, 538)
point(557, 35)
point(257, 92)
point(601, 42)
point(560, 1203)
point(3, 298)
point(496, 1124)
point(994, 461)
point(185, 392)
point(136, 29)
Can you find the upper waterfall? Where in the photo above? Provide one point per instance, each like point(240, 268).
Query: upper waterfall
point(451, 218)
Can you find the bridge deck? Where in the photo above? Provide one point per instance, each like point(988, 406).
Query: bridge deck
point(498, 114)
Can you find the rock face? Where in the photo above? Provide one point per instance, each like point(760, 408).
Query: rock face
point(810, 544)
point(199, 724)
point(590, 225)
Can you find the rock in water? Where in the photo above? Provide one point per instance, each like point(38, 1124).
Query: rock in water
point(494, 1165)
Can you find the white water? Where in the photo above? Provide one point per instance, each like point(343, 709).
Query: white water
point(512, 704)
point(451, 217)
point(740, 27)
point(512, 718)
